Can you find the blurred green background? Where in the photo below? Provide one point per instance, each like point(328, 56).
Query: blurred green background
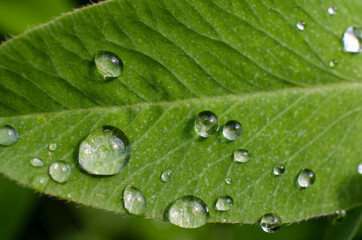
point(25, 214)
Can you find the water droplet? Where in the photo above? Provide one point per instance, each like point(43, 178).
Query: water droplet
point(134, 200)
point(333, 63)
point(206, 124)
point(166, 176)
point(108, 64)
point(188, 212)
point(278, 169)
point(39, 182)
point(359, 168)
point(306, 178)
point(224, 203)
point(352, 38)
point(8, 136)
point(332, 10)
point(60, 171)
point(105, 151)
point(36, 162)
point(339, 216)
point(270, 223)
point(228, 181)
point(301, 25)
point(241, 156)
point(52, 146)
point(232, 130)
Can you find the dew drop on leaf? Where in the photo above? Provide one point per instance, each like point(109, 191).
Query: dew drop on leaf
point(305, 178)
point(232, 130)
point(241, 156)
point(352, 39)
point(52, 146)
point(359, 168)
point(8, 136)
point(134, 200)
point(108, 64)
point(228, 181)
point(332, 10)
point(301, 25)
point(166, 176)
point(206, 124)
point(270, 223)
point(60, 171)
point(278, 169)
point(36, 162)
point(339, 216)
point(224, 203)
point(105, 151)
point(188, 212)
point(40, 182)
point(333, 63)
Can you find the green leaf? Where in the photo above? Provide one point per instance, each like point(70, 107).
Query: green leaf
point(244, 61)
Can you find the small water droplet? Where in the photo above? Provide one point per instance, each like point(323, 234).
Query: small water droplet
point(301, 25)
point(52, 146)
point(278, 169)
point(39, 182)
point(8, 136)
point(306, 178)
point(359, 168)
point(228, 181)
point(332, 10)
point(339, 216)
point(224, 203)
point(188, 212)
point(270, 223)
point(241, 156)
point(60, 171)
point(352, 38)
point(206, 124)
point(232, 130)
point(166, 176)
point(134, 200)
point(105, 151)
point(333, 63)
point(36, 162)
point(108, 64)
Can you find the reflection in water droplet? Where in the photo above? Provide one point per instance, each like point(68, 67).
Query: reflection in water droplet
point(8, 136)
point(36, 162)
point(232, 130)
point(241, 156)
point(270, 223)
point(305, 178)
point(352, 40)
point(105, 151)
point(166, 176)
point(359, 168)
point(52, 146)
point(228, 181)
point(134, 200)
point(301, 25)
point(188, 212)
point(60, 171)
point(206, 124)
point(332, 10)
point(108, 64)
point(224, 203)
point(278, 169)
point(333, 63)
point(339, 216)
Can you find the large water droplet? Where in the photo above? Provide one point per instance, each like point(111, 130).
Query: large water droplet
point(134, 200)
point(36, 162)
point(224, 203)
point(278, 169)
point(188, 212)
point(333, 63)
point(166, 176)
point(105, 151)
point(108, 64)
point(206, 124)
point(270, 223)
point(241, 155)
point(332, 10)
point(52, 146)
point(339, 216)
point(352, 40)
point(232, 130)
point(359, 168)
point(8, 136)
point(60, 171)
point(301, 25)
point(306, 178)
point(228, 181)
